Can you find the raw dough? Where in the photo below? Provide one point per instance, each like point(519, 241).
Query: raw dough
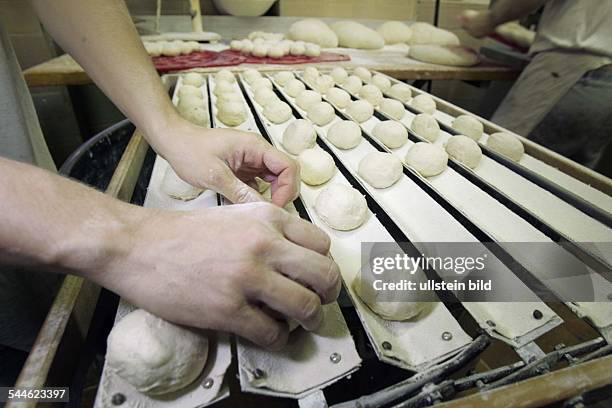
point(469, 126)
point(189, 101)
point(400, 91)
point(155, 356)
point(196, 114)
point(229, 97)
point(391, 133)
point(307, 98)
point(154, 49)
point(297, 48)
point(464, 149)
point(222, 87)
point(338, 97)
point(360, 110)
point(425, 33)
point(260, 50)
point(424, 103)
point(250, 75)
point(312, 50)
point(310, 74)
point(294, 87)
point(316, 166)
point(283, 77)
point(247, 46)
point(453, 55)
point(321, 113)
point(262, 82)
point(394, 32)
point(276, 51)
point(339, 75)
point(314, 31)
point(190, 90)
point(425, 126)
point(175, 187)
point(393, 108)
point(354, 35)
point(236, 45)
point(344, 134)
point(225, 75)
point(382, 82)
point(169, 49)
point(298, 136)
point(363, 73)
point(371, 93)
point(427, 159)
point(323, 83)
point(264, 96)
point(380, 170)
point(193, 79)
point(341, 207)
point(353, 84)
point(278, 112)
point(232, 113)
point(506, 144)
point(390, 310)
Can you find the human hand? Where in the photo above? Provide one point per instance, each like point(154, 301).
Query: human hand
point(477, 23)
point(222, 268)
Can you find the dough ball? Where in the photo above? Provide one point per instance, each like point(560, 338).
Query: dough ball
point(155, 356)
point(310, 74)
point(401, 92)
point(194, 46)
point(394, 32)
point(464, 149)
point(247, 47)
point(229, 97)
point(278, 112)
point(391, 133)
point(425, 126)
point(506, 144)
point(298, 136)
point(355, 35)
point(313, 31)
point(222, 87)
point(380, 170)
point(193, 79)
point(316, 166)
point(341, 207)
point(225, 75)
point(371, 94)
point(196, 114)
point(188, 101)
point(398, 310)
point(294, 87)
point(360, 110)
point(260, 50)
point(264, 96)
point(276, 51)
point(353, 84)
point(307, 98)
point(236, 45)
point(344, 134)
point(469, 126)
point(169, 49)
point(250, 75)
point(425, 33)
point(154, 49)
point(339, 75)
point(424, 103)
point(338, 97)
point(427, 159)
point(312, 50)
point(262, 82)
point(183, 46)
point(453, 55)
point(324, 83)
point(175, 187)
point(363, 73)
point(232, 113)
point(283, 77)
point(382, 82)
point(321, 113)
point(393, 108)
point(297, 49)
point(190, 90)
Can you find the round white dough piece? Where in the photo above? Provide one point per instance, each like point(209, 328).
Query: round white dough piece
point(506, 144)
point(225, 75)
point(452, 55)
point(176, 188)
point(259, 82)
point(294, 87)
point(188, 101)
point(360, 110)
point(401, 92)
point(398, 310)
point(323, 83)
point(298, 136)
point(264, 95)
point(425, 126)
point(307, 98)
point(424, 103)
point(425, 33)
point(380, 170)
point(393, 108)
point(231, 113)
point(195, 114)
point(316, 166)
point(278, 112)
point(427, 159)
point(276, 51)
point(193, 79)
point(338, 97)
point(321, 113)
point(313, 31)
point(155, 356)
point(468, 126)
point(247, 47)
point(229, 97)
point(355, 35)
point(236, 45)
point(190, 90)
point(363, 73)
point(222, 87)
point(283, 77)
point(371, 93)
point(391, 133)
point(353, 84)
point(339, 75)
point(394, 32)
point(297, 49)
point(341, 207)
point(154, 49)
point(194, 46)
point(260, 50)
point(312, 50)
point(250, 75)
point(464, 149)
point(310, 74)
point(382, 82)
point(169, 49)
point(344, 134)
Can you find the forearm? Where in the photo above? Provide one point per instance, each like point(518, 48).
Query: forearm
point(509, 10)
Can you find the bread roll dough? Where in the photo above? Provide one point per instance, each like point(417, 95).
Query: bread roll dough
point(425, 33)
point(363, 73)
point(307, 98)
point(222, 87)
point(250, 75)
point(190, 90)
point(225, 75)
point(394, 32)
point(464, 149)
point(155, 356)
point(506, 144)
point(154, 49)
point(310, 74)
point(176, 188)
point(425, 126)
point(236, 45)
point(312, 50)
point(276, 51)
point(382, 82)
point(401, 92)
point(321, 113)
point(294, 87)
point(341, 207)
point(352, 84)
point(323, 83)
point(354, 35)
point(260, 50)
point(170, 49)
point(189, 101)
point(232, 113)
point(339, 75)
point(393, 108)
point(283, 77)
point(298, 136)
point(262, 82)
point(469, 126)
point(371, 93)
point(360, 110)
point(316, 166)
point(453, 55)
point(297, 49)
point(314, 31)
point(391, 133)
point(264, 96)
point(278, 112)
point(338, 97)
point(344, 134)
point(193, 79)
point(195, 114)
point(247, 47)
point(229, 97)
point(399, 310)
point(380, 170)
point(427, 159)
point(424, 103)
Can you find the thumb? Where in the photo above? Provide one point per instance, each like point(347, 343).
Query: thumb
point(224, 181)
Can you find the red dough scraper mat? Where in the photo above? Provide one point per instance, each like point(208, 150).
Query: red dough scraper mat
point(205, 59)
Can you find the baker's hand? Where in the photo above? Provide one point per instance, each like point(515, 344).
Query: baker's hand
point(220, 268)
point(477, 23)
point(227, 161)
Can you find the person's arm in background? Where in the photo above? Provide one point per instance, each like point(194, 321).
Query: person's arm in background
point(101, 37)
point(481, 23)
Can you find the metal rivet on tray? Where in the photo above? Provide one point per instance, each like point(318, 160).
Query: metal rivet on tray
point(335, 358)
point(208, 383)
point(537, 314)
point(446, 336)
point(258, 373)
point(386, 345)
point(118, 399)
